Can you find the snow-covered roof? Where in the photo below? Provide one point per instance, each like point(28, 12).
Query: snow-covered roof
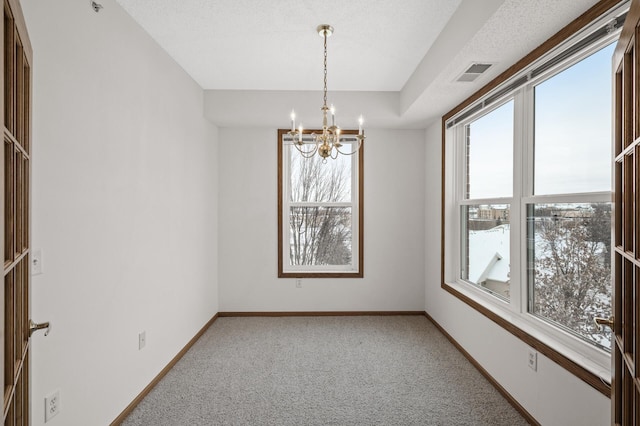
point(489, 254)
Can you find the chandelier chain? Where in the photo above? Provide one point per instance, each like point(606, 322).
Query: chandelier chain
point(325, 68)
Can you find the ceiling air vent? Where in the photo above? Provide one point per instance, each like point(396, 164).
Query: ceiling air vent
point(474, 71)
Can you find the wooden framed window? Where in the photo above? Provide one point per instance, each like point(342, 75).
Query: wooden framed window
point(320, 211)
point(527, 195)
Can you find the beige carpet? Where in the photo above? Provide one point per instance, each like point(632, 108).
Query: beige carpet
point(397, 370)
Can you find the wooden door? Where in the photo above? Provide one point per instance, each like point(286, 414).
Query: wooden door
point(625, 354)
point(16, 115)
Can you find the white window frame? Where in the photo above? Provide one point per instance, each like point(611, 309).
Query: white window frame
point(515, 310)
point(355, 268)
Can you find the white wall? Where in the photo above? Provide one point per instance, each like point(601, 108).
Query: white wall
point(124, 208)
point(551, 395)
point(126, 189)
point(393, 228)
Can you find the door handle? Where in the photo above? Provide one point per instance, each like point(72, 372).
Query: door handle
point(603, 321)
point(35, 327)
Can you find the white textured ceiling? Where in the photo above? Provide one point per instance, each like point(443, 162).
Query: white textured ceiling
point(413, 49)
point(272, 45)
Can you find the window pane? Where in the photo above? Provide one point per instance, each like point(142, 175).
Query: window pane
point(569, 266)
point(320, 236)
point(573, 128)
point(313, 180)
point(485, 246)
point(320, 202)
point(490, 154)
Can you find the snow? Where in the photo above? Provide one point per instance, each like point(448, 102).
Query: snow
point(489, 254)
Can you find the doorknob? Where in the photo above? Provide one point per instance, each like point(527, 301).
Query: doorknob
point(34, 327)
point(603, 321)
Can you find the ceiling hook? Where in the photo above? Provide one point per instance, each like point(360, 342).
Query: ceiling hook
point(95, 6)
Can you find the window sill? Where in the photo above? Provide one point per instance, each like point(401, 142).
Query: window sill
point(293, 274)
point(590, 371)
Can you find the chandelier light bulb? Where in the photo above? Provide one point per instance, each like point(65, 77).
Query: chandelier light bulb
point(293, 121)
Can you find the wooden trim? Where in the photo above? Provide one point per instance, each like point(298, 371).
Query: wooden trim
point(281, 133)
point(486, 374)
point(321, 274)
point(443, 198)
point(572, 367)
point(125, 413)
point(16, 114)
point(21, 27)
point(318, 274)
point(318, 313)
point(625, 356)
point(576, 25)
point(3, 217)
point(627, 34)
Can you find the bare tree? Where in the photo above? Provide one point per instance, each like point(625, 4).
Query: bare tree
point(572, 278)
point(320, 235)
point(599, 228)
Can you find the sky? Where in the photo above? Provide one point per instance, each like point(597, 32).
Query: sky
point(572, 135)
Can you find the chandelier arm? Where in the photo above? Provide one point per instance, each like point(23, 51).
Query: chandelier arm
point(307, 154)
point(350, 153)
point(333, 157)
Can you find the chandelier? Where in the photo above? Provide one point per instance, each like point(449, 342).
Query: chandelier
point(327, 144)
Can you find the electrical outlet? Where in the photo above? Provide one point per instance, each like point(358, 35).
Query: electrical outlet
point(51, 405)
point(533, 360)
point(36, 262)
point(298, 283)
point(142, 340)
